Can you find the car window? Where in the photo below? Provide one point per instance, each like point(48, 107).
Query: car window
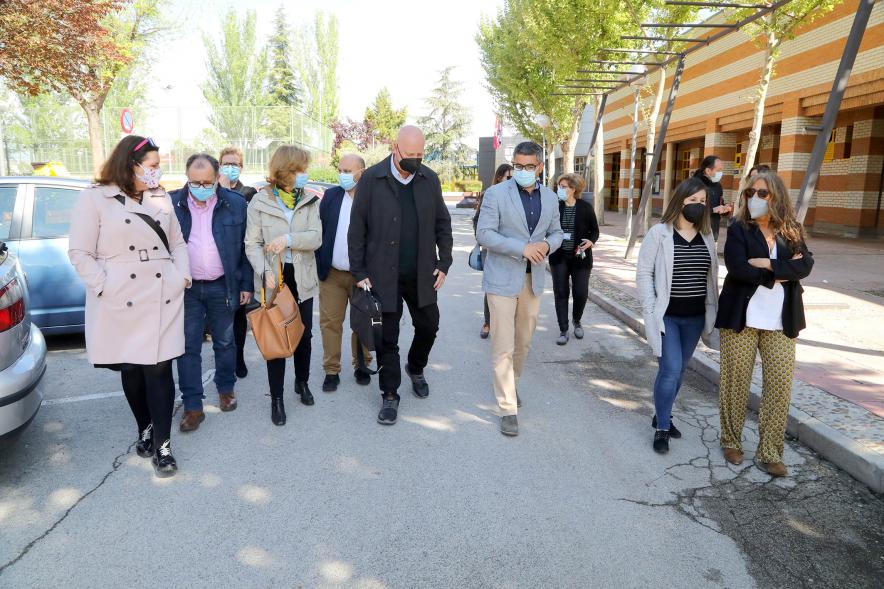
point(7, 208)
point(52, 211)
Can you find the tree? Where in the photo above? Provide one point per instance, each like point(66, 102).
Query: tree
point(447, 122)
point(770, 31)
point(282, 79)
point(76, 48)
point(385, 119)
point(237, 79)
point(318, 67)
point(360, 134)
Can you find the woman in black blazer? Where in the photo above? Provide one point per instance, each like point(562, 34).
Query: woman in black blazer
point(761, 310)
point(571, 264)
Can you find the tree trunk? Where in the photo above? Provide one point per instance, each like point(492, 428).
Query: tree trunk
point(599, 182)
point(551, 164)
point(569, 145)
point(96, 134)
point(652, 140)
point(770, 57)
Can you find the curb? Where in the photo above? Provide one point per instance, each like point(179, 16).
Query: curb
point(861, 463)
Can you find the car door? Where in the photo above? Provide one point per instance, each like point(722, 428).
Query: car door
point(58, 296)
point(12, 200)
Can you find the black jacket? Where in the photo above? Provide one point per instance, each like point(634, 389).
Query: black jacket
point(329, 213)
point(247, 192)
point(743, 243)
point(586, 226)
point(375, 225)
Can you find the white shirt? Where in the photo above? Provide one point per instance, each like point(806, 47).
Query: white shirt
point(397, 175)
point(340, 253)
point(765, 310)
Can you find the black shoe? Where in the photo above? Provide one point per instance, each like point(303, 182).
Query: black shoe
point(673, 431)
point(277, 411)
point(362, 378)
point(331, 382)
point(242, 371)
point(419, 385)
point(302, 389)
point(163, 462)
point(661, 441)
point(389, 411)
point(144, 444)
point(518, 400)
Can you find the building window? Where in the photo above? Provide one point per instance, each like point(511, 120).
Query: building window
point(830, 148)
point(848, 140)
point(685, 165)
point(579, 164)
point(738, 158)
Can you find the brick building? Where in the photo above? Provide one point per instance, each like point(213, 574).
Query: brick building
point(713, 115)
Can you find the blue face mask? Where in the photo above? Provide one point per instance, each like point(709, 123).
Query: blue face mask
point(301, 180)
point(563, 193)
point(525, 178)
point(231, 172)
point(346, 181)
point(202, 194)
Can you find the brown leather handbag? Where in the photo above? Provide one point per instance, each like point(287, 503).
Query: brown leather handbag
point(277, 324)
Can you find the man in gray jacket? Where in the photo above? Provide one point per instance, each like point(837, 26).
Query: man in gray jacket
point(519, 225)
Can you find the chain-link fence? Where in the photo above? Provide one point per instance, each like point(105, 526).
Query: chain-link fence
point(180, 132)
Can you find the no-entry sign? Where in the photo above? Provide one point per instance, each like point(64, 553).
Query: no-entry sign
point(127, 121)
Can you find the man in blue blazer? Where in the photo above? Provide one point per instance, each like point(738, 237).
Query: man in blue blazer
point(333, 266)
point(519, 225)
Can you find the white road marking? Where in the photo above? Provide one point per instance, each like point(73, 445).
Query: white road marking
point(207, 378)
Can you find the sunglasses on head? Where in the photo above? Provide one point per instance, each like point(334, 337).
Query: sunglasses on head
point(143, 142)
point(761, 192)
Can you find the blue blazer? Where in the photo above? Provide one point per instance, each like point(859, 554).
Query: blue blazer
point(229, 231)
point(329, 213)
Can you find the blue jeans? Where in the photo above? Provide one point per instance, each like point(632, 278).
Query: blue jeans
point(679, 342)
point(206, 303)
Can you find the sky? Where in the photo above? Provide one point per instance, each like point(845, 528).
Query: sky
point(399, 44)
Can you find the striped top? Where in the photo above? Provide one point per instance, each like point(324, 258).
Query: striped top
point(568, 227)
point(690, 271)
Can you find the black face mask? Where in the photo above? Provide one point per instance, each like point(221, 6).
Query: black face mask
point(409, 164)
point(694, 212)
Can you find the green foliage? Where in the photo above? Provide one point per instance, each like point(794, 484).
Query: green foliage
point(282, 79)
point(237, 75)
point(318, 67)
point(383, 118)
point(447, 122)
point(323, 173)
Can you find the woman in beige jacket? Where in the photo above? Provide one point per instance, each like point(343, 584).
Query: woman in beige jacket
point(128, 249)
point(283, 223)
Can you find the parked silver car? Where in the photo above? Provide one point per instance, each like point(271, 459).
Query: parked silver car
point(22, 350)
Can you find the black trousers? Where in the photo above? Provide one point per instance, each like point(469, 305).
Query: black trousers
point(276, 368)
point(570, 277)
point(715, 220)
point(426, 323)
point(240, 327)
point(150, 391)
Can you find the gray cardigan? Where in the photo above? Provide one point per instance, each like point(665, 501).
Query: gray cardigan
point(653, 277)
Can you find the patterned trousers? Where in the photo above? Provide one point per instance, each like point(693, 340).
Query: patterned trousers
point(738, 351)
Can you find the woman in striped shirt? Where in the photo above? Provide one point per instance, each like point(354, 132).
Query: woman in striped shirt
point(677, 279)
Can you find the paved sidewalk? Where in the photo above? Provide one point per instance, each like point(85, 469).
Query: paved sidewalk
point(839, 386)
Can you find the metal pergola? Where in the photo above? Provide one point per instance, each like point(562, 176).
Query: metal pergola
point(628, 78)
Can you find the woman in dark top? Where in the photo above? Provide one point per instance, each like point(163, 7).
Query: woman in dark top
point(504, 172)
point(710, 172)
point(677, 280)
point(761, 310)
point(571, 264)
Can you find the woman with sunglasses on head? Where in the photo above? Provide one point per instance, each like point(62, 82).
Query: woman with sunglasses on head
point(571, 264)
point(761, 310)
point(504, 172)
point(283, 226)
point(677, 280)
point(127, 247)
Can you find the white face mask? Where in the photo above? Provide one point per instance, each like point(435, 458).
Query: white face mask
point(757, 207)
point(151, 176)
point(716, 177)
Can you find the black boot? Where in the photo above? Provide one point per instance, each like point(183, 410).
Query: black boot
point(144, 444)
point(242, 370)
point(661, 441)
point(163, 462)
point(277, 411)
point(302, 389)
point(673, 431)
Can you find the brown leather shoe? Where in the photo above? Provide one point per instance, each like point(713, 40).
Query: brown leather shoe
point(774, 469)
point(733, 456)
point(227, 401)
point(191, 420)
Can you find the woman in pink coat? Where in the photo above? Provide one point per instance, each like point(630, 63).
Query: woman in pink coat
point(127, 247)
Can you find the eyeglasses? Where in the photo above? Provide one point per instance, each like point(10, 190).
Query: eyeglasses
point(198, 185)
point(143, 142)
point(238, 165)
point(529, 167)
point(761, 192)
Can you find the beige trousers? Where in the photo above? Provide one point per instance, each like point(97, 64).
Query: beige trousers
point(334, 296)
point(513, 320)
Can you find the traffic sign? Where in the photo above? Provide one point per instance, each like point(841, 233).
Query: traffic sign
point(127, 120)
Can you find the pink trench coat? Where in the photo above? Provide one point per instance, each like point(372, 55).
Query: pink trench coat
point(134, 285)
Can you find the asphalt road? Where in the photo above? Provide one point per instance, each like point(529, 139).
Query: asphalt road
point(441, 499)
